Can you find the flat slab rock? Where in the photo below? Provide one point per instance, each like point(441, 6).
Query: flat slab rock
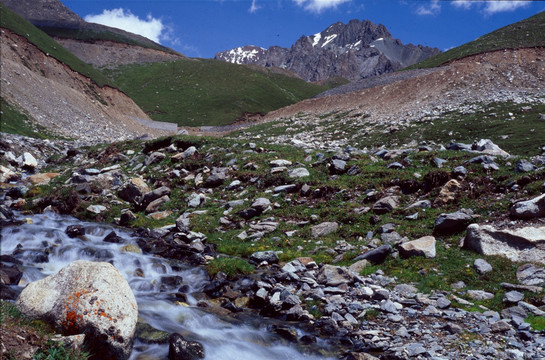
point(525, 244)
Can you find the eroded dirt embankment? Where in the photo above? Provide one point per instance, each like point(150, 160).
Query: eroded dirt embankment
point(484, 77)
point(65, 101)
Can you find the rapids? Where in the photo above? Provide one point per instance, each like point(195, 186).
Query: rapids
point(44, 249)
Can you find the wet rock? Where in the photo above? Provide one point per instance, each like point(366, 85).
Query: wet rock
point(112, 237)
point(529, 209)
point(424, 246)
point(482, 266)
point(532, 275)
point(523, 244)
point(182, 349)
point(386, 205)
point(150, 335)
point(452, 222)
point(78, 300)
point(74, 231)
point(323, 229)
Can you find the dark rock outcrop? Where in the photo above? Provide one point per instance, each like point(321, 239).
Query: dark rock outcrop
point(353, 51)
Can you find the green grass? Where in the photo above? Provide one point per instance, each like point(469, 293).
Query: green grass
point(12, 121)
point(196, 92)
point(536, 322)
point(50, 350)
point(527, 33)
point(231, 266)
point(13, 22)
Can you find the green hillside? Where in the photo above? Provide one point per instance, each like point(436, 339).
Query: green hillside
point(529, 32)
point(196, 92)
point(13, 22)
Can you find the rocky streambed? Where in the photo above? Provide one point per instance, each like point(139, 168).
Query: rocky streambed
point(349, 304)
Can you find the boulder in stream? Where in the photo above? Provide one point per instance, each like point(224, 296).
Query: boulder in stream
point(90, 298)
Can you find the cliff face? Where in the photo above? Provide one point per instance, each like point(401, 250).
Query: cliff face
point(354, 51)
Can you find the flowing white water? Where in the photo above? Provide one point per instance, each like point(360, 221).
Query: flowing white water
point(221, 339)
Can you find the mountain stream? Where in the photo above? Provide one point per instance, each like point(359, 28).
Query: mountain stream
point(45, 248)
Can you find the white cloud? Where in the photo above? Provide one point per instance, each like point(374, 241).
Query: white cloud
point(431, 9)
point(254, 7)
point(318, 6)
point(493, 7)
point(150, 27)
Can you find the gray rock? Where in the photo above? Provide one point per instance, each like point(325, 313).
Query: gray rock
point(190, 151)
point(154, 195)
point(479, 295)
point(155, 205)
point(376, 256)
point(280, 163)
point(96, 209)
point(331, 275)
point(459, 171)
point(524, 166)
point(29, 161)
point(529, 209)
point(513, 296)
point(100, 308)
point(389, 306)
point(439, 162)
point(530, 274)
point(452, 222)
point(269, 256)
point(422, 204)
point(523, 244)
point(486, 146)
point(285, 188)
point(298, 173)
point(500, 326)
point(261, 204)
point(482, 266)
point(391, 238)
point(133, 190)
point(443, 302)
point(323, 229)
point(424, 246)
point(395, 165)
point(154, 158)
point(216, 178)
point(337, 166)
point(386, 205)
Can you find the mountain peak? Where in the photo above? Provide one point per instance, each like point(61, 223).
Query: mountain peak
point(354, 51)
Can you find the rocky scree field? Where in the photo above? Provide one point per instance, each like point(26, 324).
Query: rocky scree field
point(366, 248)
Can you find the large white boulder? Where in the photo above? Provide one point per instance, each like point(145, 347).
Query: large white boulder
point(523, 244)
point(90, 298)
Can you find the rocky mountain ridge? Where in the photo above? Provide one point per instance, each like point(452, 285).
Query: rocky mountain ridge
point(353, 51)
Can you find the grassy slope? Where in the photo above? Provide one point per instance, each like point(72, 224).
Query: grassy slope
point(91, 34)
point(197, 92)
point(13, 22)
point(529, 32)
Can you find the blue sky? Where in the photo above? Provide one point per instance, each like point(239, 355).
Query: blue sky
point(200, 28)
